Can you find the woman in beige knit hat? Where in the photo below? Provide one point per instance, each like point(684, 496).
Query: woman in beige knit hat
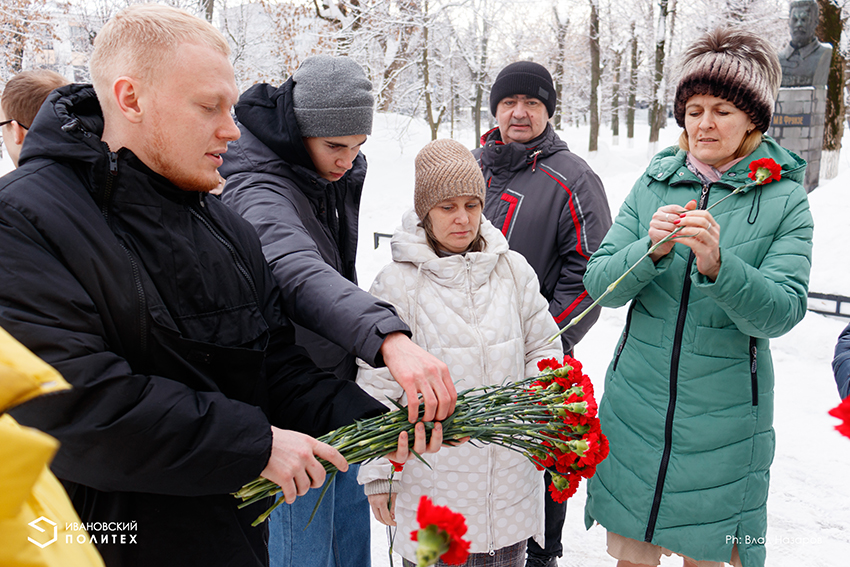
point(688, 402)
point(475, 305)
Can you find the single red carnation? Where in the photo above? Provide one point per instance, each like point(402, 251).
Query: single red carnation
point(773, 173)
point(563, 486)
point(842, 412)
point(453, 524)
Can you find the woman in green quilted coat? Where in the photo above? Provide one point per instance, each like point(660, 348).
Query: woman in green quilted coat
point(688, 402)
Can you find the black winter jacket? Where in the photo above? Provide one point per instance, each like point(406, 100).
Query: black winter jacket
point(157, 305)
point(308, 228)
point(553, 210)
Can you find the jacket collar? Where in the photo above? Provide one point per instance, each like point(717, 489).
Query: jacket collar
point(498, 156)
point(409, 245)
point(669, 166)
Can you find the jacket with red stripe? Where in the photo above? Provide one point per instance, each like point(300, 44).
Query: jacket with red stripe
point(553, 210)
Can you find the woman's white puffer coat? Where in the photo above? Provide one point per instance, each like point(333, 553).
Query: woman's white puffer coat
point(482, 314)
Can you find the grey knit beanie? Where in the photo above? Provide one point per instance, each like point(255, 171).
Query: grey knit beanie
point(445, 169)
point(332, 97)
point(735, 65)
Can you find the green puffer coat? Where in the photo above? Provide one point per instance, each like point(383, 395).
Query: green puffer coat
point(688, 402)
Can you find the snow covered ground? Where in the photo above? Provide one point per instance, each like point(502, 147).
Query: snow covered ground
point(809, 504)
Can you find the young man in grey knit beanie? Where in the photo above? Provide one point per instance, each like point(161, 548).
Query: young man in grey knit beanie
point(297, 175)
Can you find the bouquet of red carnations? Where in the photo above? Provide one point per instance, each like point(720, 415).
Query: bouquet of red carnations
point(550, 418)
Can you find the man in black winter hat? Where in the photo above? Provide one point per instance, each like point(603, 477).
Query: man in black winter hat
point(552, 209)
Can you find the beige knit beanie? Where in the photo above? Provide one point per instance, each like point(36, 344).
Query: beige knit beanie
point(735, 65)
point(445, 169)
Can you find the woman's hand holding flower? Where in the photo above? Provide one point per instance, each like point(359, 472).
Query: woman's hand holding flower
point(660, 227)
point(701, 233)
point(420, 445)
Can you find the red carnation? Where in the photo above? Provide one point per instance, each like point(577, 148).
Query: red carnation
point(563, 486)
point(842, 412)
point(765, 170)
point(548, 363)
point(440, 535)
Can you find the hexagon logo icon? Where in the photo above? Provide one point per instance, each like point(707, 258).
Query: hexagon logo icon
point(35, 524)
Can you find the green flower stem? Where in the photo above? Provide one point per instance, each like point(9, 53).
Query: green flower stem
point(760, 177)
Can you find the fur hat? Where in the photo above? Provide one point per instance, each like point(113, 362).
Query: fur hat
point(735, 65)
point(445, 169)
point(332, 97)
point(524, 78)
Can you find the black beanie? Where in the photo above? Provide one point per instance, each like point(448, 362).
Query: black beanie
point(524, 78)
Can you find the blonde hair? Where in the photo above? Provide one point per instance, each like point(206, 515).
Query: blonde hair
point(748, 145)
point(141, 40)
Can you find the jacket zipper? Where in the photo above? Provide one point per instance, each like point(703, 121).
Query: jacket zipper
point(491, 538)
point(226, 243)
point(754, 379)
point(137, 273)
point(674, 384)
point(110, 183)
point(625, 336)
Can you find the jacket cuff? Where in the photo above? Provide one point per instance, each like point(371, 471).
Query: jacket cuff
point(372, 349)
point(376, 487)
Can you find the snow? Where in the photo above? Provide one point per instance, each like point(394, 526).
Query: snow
point(808, 520)
point(808, 505)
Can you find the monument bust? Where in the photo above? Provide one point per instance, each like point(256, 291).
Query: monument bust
point(805, 60)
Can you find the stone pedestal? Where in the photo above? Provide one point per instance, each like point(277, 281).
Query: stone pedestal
point(798, 123)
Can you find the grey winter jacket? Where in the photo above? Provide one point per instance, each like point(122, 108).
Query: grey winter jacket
point(553, 210)
point(308, 228)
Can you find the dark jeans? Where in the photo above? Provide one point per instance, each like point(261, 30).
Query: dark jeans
point(554, 525)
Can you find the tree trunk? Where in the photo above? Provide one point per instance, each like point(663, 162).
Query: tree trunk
point(433, 124)
point(559, 64)
point(656, 111)
point(408, 13)
point(633, 79)
point(615, 97)
point(595, 72)
point(479, 82)
point(830, 27)
point(208, 5)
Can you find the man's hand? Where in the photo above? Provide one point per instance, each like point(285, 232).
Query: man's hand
point(419, 372)
point(293, 465)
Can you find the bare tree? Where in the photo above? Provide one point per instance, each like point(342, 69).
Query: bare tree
point(658, 103)
point(433, 123)
point(25, 25)
point(633, 79)
point(830, 29)
point(562, 26)
point(595, 74)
